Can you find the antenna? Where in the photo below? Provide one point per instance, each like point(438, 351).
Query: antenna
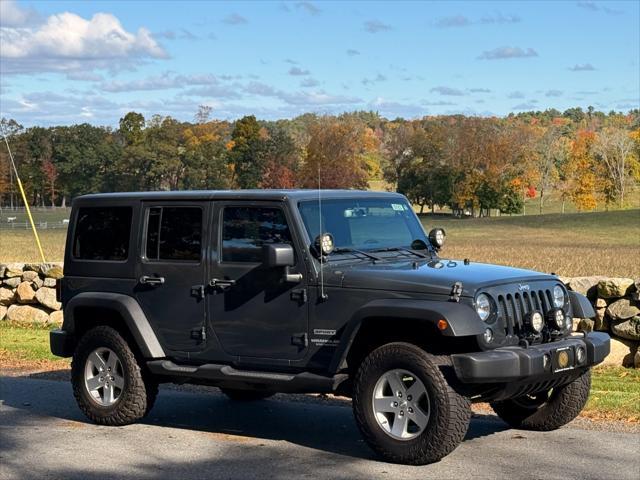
point(323, 295)
point(24, 196)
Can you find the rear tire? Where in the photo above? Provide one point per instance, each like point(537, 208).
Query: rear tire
point(433, 417)
point(108, 383)
point(245, 395)
point(553, 409)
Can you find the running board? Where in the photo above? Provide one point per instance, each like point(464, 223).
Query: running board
point(227, 376)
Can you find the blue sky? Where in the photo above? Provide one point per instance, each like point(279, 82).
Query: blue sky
point(69, 62)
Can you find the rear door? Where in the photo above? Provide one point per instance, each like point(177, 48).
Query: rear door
point(257, 314)
point(171, 272)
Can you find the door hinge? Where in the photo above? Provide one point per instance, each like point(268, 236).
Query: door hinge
point(456, 292)
point(300, 339)
point(199, 334)
point(198, 291)
point(299, 295)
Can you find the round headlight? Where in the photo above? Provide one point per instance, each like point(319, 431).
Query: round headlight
point(483, 306)
point(536, 322)
point(558, 296)
point(436, 237)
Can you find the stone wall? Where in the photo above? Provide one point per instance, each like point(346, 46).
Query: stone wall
point(28, 293)
point(617, 302)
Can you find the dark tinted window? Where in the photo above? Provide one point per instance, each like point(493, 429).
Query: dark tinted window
point(174, 233)
point(246, 229)
point(102, 233)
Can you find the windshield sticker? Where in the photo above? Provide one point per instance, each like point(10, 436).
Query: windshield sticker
point(398, 207)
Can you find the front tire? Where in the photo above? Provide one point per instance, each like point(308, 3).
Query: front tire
point(546, 411)
point(108, 383)
point(404, 407)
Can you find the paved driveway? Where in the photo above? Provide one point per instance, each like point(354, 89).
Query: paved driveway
point(202, 435)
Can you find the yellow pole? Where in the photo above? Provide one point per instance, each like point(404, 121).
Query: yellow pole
point(33, 225)
point(24, 199)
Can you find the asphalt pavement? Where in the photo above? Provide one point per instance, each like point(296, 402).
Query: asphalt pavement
point(200, 435)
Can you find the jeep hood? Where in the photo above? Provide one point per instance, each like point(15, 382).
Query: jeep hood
point(432, 277)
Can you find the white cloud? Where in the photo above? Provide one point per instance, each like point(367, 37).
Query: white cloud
point(12, 15)
point(376, 26)
point(67, 42)
point(582, 67)
point(298, 72)
point(235, 19)
point(165, 81)
point(508, 52)
point(453, 92)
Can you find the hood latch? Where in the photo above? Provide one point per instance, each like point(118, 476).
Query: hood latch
point(456, 292)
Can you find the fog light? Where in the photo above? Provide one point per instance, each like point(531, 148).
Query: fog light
point(535, 321)
point(557, 318)
point(580, 354)
point(488, 335)
point(563, 359)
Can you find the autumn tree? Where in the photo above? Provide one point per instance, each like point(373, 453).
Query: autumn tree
point(336, 154)
point(579, 171)
point(245, 152)
point(613, 147)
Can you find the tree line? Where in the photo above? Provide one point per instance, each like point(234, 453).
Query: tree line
point(470, 164)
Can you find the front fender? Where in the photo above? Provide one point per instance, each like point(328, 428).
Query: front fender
point(130, 311)
point(462, 320)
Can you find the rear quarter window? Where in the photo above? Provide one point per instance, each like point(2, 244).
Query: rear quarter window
point(102, 233)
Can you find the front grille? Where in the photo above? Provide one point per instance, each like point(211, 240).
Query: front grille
point(513, 306)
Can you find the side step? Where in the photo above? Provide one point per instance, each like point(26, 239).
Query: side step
point(227, 376)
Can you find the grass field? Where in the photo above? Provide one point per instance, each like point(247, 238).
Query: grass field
point(615, 392)
point(600, 243)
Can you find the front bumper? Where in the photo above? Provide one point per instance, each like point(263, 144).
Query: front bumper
point(512, 364)
point(62, 344)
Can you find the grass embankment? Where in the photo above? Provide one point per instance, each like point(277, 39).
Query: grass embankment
point(615, 392)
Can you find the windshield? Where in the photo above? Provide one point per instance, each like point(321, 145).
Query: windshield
point(365, 224)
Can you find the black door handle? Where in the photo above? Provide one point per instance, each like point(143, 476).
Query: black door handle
point(221, 283)
point(147, 280)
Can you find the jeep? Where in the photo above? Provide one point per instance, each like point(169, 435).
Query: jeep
point(302, 291)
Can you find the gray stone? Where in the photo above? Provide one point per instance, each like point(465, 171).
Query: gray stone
point(627, 329)
point(601, 321)
point(51, 270)
point(27, 314)
point(622, 309)
point(29, 276)
point(622, 353)
point(50, 282)
point(587, 286)
point(585, 325)
point(47, 297)
point(14, 270)
point(614, 287)
point(56, 318)
point(636, 358)
point(12, 282)
point(31, 267)
point(601, 303)
point(37, 283)
point(26, 293)
point(3, 312)
point(7, 296)
point(2, 269)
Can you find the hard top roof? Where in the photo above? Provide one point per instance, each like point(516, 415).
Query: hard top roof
point(297, 195)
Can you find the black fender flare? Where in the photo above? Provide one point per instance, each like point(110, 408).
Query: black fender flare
point(130, 311)
point(462, 320)
point(580, 305)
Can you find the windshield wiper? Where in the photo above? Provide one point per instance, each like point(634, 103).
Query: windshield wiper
point(401, 249)
point(361, 252)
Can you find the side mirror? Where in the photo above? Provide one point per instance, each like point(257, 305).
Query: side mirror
point(436, 237)
point(278, 255)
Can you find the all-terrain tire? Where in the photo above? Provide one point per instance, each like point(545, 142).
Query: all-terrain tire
point(563, 405)
point(140, 389)
point(245, 395)
point(450, 412)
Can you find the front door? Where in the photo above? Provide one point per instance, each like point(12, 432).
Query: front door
point(171, 272)
point(252, 310)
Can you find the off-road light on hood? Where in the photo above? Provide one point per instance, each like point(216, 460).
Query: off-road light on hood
point(557, 318)
point(324, 244)
point(436, 237)
point(535, 321)
point(483, 306)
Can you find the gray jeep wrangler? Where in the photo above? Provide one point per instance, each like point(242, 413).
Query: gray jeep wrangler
point(258, 292)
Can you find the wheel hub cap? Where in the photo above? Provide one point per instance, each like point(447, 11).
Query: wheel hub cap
point(401, 404)
point(104, 377)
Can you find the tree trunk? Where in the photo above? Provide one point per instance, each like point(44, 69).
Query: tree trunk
point(541, 200)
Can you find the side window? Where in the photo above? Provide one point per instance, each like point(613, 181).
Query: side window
point(174, 233)
point(246, 229)
point(102, 233)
